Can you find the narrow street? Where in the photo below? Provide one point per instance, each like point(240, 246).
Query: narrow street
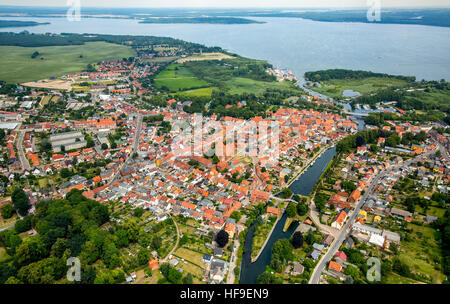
point(22, 157)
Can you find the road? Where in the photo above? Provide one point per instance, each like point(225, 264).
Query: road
point(345, 230)
point(133, 149)
point(176, 244)
point(234, 256)
point(22, 157)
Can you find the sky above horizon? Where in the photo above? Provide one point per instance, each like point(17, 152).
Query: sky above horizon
point(230, 3)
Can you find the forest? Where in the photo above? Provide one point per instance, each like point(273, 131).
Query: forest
point(71, 227)
point(324, 75)
point(25, 39)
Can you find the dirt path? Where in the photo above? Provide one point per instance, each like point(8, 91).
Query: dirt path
point(176, 244)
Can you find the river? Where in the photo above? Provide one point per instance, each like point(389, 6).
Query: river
point(298, 44)
point(303, 186)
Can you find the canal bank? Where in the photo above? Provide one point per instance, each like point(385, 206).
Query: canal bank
point(250, 270)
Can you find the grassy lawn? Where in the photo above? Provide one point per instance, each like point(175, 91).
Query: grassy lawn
point(43, 182)
point(239, 85)
point(3, 254)
point(177, 77)
point(394, 278)
point(190, 256)
point(203, 92)
point(422, 253)
point(17, 65)
point(260, 236)
point(178, 84)
point(335, 87)
point(8, 222)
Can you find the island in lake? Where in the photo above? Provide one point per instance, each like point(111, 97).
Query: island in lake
point(13, 23)
point(209, 20)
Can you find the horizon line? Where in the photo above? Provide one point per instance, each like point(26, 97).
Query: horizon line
point(228, 7)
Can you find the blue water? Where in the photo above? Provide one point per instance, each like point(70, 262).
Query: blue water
point(305, 183)
point(298, 44)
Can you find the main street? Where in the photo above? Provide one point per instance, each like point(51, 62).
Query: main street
point(23, 159)
point(133, 149)
point(345, 230)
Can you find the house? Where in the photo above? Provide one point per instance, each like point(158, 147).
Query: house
point(335, 266)
point(400, 213)
point(207, 258)
point(218, 252)
point(273, 211)
point(153, 264)
point(349, 243)
point(259, 196)
point(341, 255)
point(431, 219)
point(327, 240)
point(340, 219)
point(354, 196)
point(297, 269)
point(217, 271)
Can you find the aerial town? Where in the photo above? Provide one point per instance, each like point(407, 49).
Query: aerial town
point(181, 216)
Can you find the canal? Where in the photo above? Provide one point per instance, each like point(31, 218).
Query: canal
point(303, 186)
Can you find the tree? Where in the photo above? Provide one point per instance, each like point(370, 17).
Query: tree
point(138, 212)
point(188, 279)
point(20, 201)
point(297, 240)
point(302, 209)
point(132, 231)
point(286, 193)
point(143, 256)
point(236, 216)
point(7, 211)
point(268, 278)
point(360, 141)
point(23, 224)
point(122, 238)
point(222, 238)
point(310, 239)
point(291, 210)
point(156, 242)
point(104, 146)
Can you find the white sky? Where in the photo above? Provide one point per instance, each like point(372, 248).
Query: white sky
point(229, 3)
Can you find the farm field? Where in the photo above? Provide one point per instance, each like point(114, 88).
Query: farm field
point(205, 56)
point(18, 66)
point(335, 87)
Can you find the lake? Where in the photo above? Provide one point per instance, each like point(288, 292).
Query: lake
point(299, 44)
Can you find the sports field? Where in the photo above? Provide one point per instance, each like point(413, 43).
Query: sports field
point(18, 66)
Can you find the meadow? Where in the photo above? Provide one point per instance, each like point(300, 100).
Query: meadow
point(335, 87)
point(54, 61)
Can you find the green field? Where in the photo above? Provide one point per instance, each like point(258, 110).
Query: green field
point(421, 253)
point(204, 92)
point(3, 254)
point(17, 65)
point(240, 85)
point(335, 87)
point(178, 78)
